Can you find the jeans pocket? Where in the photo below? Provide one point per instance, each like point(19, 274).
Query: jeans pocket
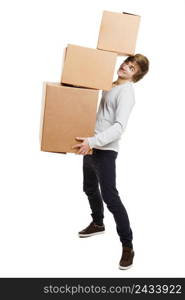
point(115, 154)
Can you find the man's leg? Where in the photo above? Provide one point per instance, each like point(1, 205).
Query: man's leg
point(91, 188)
point(105, 164)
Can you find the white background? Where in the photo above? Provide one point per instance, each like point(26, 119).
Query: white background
point(42, 205)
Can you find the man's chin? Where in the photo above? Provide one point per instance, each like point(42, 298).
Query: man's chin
point(121, 76)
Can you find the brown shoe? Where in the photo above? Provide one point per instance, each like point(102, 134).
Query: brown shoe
point(91, 230)
point(126, 258)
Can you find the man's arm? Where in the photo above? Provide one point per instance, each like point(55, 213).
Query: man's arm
point(125, 103)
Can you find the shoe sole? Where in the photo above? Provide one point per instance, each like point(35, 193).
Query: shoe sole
point(81, 235)
point(125, 268)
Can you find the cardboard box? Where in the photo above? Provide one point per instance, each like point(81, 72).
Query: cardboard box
point(118, 32)
point(68, 112)
point(87, 67)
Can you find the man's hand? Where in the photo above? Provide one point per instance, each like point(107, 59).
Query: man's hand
point(84, 146)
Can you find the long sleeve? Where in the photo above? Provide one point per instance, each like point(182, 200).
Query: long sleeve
point(123, 108)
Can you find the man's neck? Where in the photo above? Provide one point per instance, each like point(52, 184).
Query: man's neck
point(120, 81)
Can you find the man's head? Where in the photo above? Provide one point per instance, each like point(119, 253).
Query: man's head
point(134, 68)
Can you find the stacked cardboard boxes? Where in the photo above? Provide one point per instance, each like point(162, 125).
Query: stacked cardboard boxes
point(118, 32)
point(70, 106)
point(69, 112)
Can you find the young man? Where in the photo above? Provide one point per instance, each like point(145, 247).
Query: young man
point(99, 168)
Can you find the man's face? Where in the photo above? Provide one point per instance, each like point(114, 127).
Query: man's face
point(127, 70)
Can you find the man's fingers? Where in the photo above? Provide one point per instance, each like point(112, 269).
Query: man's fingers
point(76, 146)
point(80, 138)
point(82, 151)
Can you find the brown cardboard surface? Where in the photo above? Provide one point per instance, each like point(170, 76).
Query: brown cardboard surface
point(87, 67)
point(118, 32)
point(69, 112)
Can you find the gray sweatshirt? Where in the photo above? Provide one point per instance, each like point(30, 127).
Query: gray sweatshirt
point(112, 116)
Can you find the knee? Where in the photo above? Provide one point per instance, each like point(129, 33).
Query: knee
point(89, 190)
point(111, 198)
point(110, 192)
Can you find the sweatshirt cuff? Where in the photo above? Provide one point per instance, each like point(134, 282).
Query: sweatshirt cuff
point(91, 141)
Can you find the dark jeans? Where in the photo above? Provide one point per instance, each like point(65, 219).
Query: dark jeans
point(99, 170)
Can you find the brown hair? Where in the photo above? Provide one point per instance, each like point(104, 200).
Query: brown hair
point(143, 63)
